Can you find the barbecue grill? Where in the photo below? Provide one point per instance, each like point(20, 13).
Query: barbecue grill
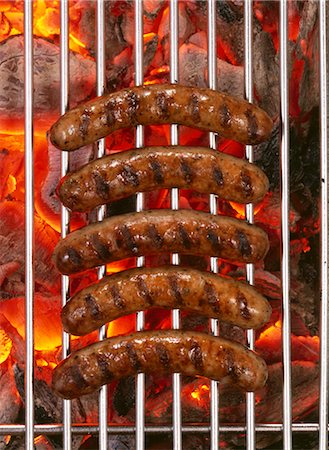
point(215, 429)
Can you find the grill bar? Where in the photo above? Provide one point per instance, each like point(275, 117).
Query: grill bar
point(65, 216)
point(100, 89)
point(174, 201)
point(29, 223)
point(57, 429)
point(249, 210)
point(285, 231)
point(214, 324)
point(139, 79)
point(323, 404)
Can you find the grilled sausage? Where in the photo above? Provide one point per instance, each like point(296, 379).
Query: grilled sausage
point(150, 232)
point(166, 287)
point(200, 169)
point(158, 352)
point(200, 108)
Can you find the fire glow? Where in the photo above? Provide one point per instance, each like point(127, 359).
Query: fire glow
point(48, 333)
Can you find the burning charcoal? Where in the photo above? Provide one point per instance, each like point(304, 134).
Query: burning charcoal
point(46, 77)
point(12, 245)
point(193, 71)
point(266, 73)
point(114, 442)
point(10, 164)
point(10, 402)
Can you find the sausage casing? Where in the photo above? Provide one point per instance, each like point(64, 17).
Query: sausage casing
point(200, 108)
point(150, 232)
point(134, 290)
point(123, 174)
point(158, 352)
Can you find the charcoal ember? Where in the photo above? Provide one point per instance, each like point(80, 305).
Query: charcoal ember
point(193, 71)
point(85, 31)
point(267, 283)
point(230, 26)
point(266, 73)
point(10, 164)
point(77, 159)
point(12, 247)
point(123, 399)
point(307, 51)
point(10, 402)
point(46, 77)
point(114, 442)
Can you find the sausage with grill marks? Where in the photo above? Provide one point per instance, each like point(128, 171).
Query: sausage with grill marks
point(123, 174)
point(200, 108)
point(158, 352)
point(150, 232)
point(134, 290)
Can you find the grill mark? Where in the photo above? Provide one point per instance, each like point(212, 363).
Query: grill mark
point(156, 238)
point(214, 240)
point(184, 236)
point(196, 356)
point(129, 175)
point(244, 244)
point(173, 283)
point(110, 112)
point(218, 176)
point(127, 239)
point(224, 115)
point(133, 357)
point(163, 355)
point(119, 302)
point(102, 187)
point(246, 184)
point(231, 366)
point(157, 171)
point(194, 107)
point(243, 305)
point(93, 306)
point(100, 248)
point(186, 171)
point(143, 290)
point(162, 104)
point(252, 124)
point(212, 297)
point(77, 376)
point(103, 365)
point(73, 256)
point(84, 123)
point(133, 105)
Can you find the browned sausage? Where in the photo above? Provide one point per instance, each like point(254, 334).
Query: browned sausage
point(134, 290)
point(200, 169)
point(200, 108)
point(150, 232)
point(158, 352)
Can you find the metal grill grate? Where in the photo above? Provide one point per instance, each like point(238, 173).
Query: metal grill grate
point(215, 429)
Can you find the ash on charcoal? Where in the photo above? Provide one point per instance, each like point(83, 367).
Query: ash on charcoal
point(124, 396)
point(46, 77)
point(114, 442)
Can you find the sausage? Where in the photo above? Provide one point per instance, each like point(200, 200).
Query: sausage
point(158, 352)
point(165, 287)
point(200, 108)
point(123, 174)
point(150, 232)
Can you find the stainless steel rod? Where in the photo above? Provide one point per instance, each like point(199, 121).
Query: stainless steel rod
point(57, 429)
point(249, 210)
point(29, 223)
point(323, 403)
point(100, 89)
point(285, 231)
point(65, 217)
point(174, 139)
point(214, 325)
point(139, 80)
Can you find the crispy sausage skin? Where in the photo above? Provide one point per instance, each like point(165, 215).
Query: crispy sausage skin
point(134, 290)
point(158, 352)
point(149, 232)
point(200, 169)
point(200, 108)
